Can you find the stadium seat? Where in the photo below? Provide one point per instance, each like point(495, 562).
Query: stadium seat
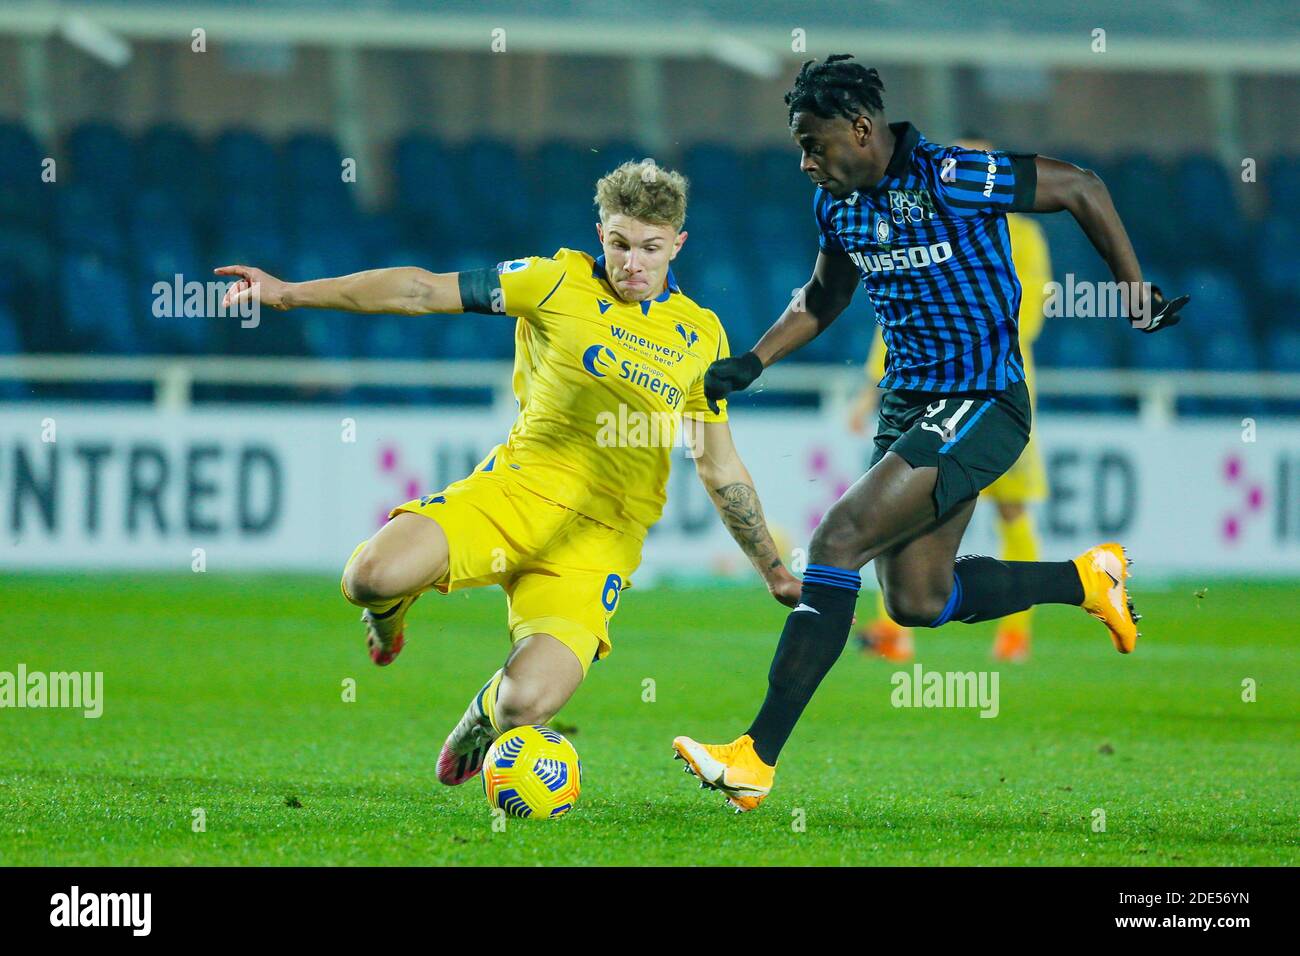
point(496, 189)
point(101, 156)
point(28, 261)
point(1162, 351)
point(1283, 351)
point(99, 314)
point(1276, 239)
point(246, 169)
point(1229, 352)
point(1216, 298)
point(1206, 209)
point(423, 167)
point(316, 197)
point(1282, 174)
point(169, 159)
point(1075, 343)
point(132, 210)
point(1138, 184)
point(774, 176)
point(87, 220)
point(24, 198)
point(10, 344)
point(561, 171)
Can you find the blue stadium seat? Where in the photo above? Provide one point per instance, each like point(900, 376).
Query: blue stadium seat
point(101, 156)
point(10, 344)
point(1206, 210)
point(428, 198)
point(774, 175)
point(1276, 239)
point(24, 198)
point(497, 191)
point(316, 196)
point(1143, 193)
point(250, 232)
point(1162, 351)
point(720, 282)
point(98, 310)
point(1070, 250)
point(1282, 353)
point(329, 334)
point(1282, 175)
point(1228, 352)
point(10, 340)
point(714, 170)
point(1217, 300)
point(562, 171)
point(161, 257)
point(87, 221)
point(561, 223)
point(245, 165)
point(28, 261)
point(1076, 343)
point(169, 159)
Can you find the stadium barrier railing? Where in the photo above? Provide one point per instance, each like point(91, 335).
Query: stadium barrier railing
point(173, 378)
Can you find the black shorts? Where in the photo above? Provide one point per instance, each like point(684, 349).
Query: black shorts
point(971, 437)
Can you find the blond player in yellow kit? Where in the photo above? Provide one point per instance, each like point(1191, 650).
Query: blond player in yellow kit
point(1024, 484)
point(610, 357)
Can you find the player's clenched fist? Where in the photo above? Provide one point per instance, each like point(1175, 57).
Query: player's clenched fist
point(253, 284)
point(730, 375)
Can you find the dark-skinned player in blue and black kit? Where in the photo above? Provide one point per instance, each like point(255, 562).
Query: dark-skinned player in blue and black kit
point(923, 228)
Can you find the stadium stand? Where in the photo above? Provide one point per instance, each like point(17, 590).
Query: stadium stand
point(132, 210)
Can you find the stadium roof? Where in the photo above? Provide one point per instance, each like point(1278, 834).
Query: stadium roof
point(1188, 35)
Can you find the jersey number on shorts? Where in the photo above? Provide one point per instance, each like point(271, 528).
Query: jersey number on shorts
point(946, 428)
point(609, 596)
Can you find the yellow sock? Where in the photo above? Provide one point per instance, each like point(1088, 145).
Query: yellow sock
point(487, 698)
point(1019, 543)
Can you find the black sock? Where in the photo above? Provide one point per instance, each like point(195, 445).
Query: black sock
point(985, 589)
point(810, 643)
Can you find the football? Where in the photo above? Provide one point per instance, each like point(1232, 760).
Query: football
point(532, 772)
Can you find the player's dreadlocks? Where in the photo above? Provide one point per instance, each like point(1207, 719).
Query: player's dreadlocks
point(838, 86)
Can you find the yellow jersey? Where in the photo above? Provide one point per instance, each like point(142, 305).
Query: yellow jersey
point(602, 385)
point(1033, 267)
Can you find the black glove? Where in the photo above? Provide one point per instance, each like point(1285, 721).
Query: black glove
point(730, 375)
point(1163, 313)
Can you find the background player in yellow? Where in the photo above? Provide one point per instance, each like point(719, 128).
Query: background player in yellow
point(1024, 484)
point(610, 358)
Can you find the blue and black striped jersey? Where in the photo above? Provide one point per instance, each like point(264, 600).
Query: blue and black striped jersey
point(930, 241)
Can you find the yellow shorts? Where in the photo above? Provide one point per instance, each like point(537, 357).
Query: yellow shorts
point(562, 571)
point(1024, 482)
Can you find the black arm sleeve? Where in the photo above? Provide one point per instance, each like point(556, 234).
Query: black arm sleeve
point(480, 291)
point(1022, 164)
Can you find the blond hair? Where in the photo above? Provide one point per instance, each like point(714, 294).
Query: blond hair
point(644, 191)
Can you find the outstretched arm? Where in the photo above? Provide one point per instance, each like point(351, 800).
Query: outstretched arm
point(1063, 185)
point(731, 489)
point(406, 290)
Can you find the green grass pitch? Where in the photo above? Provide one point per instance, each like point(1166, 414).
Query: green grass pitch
point(225, 694)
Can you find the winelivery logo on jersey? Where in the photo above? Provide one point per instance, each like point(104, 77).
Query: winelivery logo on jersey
point(73, 690)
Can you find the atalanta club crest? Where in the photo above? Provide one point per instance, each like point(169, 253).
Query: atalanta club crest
point(882, 229)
